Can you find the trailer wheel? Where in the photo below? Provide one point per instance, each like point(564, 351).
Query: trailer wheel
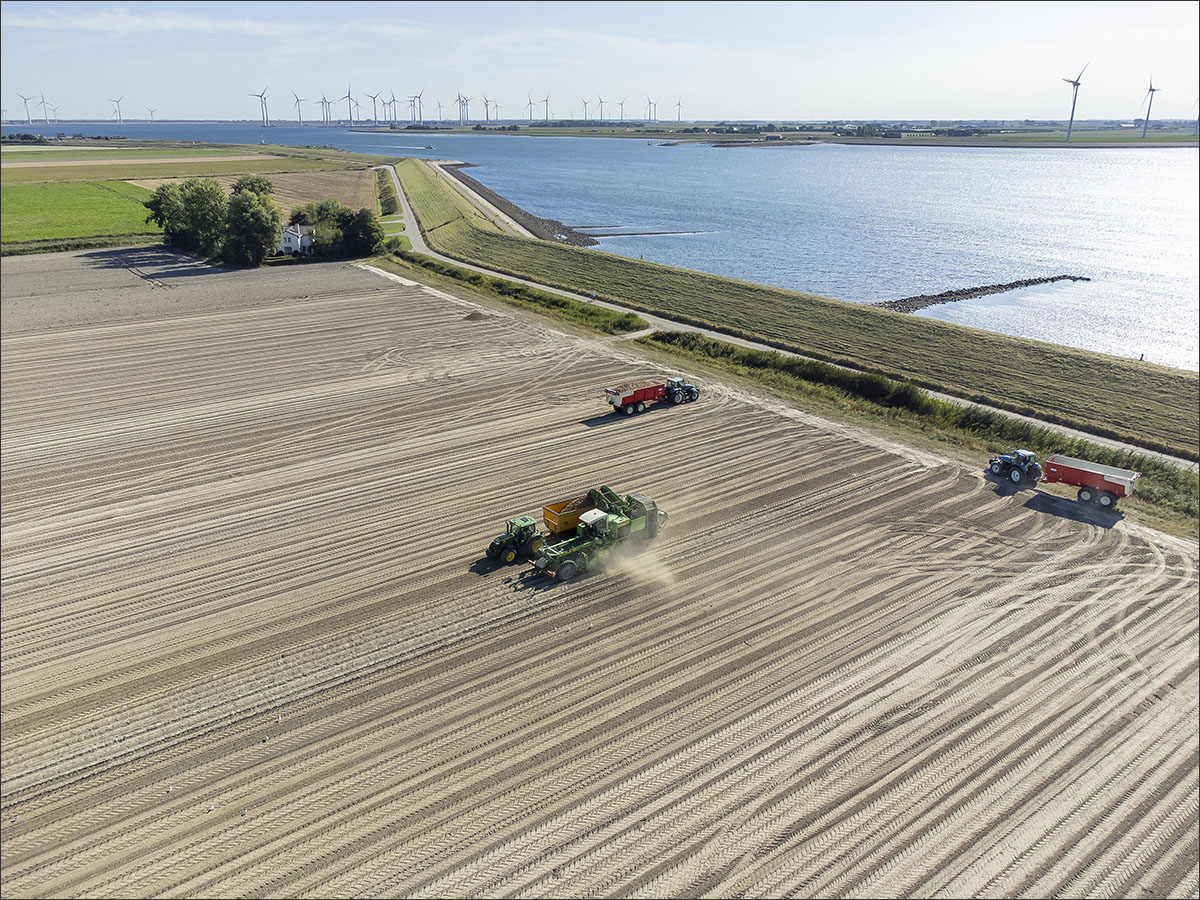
point(567, 570)
point(1016, 475)
point(628, 409)
point(997, 468)
point(641, 407)
point(1107, 500)
point(1086, 495)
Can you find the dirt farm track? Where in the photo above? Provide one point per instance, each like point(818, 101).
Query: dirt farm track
point(251, 646)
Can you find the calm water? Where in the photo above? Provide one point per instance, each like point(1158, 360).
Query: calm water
point(864, 223)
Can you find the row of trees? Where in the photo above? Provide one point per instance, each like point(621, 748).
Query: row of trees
point(245, 227)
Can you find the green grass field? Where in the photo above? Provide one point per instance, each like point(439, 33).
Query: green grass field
point(1150, 406)
point(40, 212)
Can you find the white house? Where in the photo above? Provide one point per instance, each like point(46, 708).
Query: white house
point(296, 241)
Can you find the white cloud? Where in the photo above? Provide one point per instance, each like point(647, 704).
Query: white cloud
point(119, 21)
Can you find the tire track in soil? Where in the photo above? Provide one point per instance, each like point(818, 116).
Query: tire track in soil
point(845, 670)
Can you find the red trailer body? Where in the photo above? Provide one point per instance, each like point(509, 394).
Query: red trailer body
point(635, 392)
point(1097, 483)
point(633, 396)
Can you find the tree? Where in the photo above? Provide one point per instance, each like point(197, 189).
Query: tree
point(204, 207)
point(363, 233)
point(253, 224)
point(191, 214)
point(257, 184)
point(166, 211)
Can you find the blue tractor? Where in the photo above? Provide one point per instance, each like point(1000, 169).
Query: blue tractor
point(1019, 467)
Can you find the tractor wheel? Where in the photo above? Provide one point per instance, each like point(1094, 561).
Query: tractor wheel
point(641, 407)
point(1086, 495)
point(677, 397)
point(491, 552)
point(1106, 500)
point(694, 394)
point(997, 468)
point(509, 555)
point(1016, 476)
point(567, 570)
point(628, 409)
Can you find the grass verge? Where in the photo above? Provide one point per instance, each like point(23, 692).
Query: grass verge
point(1150, 406)
point(1168, 496)
point(564, 308)
point(60, 245)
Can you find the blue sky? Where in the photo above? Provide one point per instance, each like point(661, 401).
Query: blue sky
point(720, 60)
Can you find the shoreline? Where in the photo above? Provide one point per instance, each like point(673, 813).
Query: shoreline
point(550, 230)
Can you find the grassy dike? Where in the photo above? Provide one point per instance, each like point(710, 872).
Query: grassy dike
point(1150, 406)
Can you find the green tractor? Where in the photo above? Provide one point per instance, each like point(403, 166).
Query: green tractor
point(601, 533)
point(521, 540)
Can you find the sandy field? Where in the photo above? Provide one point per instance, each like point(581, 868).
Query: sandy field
point(251, 645)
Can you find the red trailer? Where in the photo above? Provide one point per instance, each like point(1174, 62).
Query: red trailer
point(1102, 485)
point(633, 396)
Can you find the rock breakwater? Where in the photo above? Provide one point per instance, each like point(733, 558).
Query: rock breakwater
point(912, 304)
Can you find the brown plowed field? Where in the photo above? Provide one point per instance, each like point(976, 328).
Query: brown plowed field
point(354, 188)
point(251, 648)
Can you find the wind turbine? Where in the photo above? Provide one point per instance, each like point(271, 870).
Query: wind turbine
point(374, 109)
point(393, 103)
point(1149, 96)
point(299, 118)
point(622, 105)
point(54, 109)
point(45, 113)
point(1074, 96)
point(601, 99)
point(28, 121)
point(649, 109)
point(152, 112)
point(678, 106)
point(349, 100)
point(487, 109)
point(530, 109)
point(324, 109)
point(496, 109)
point(439, 106)
point(117, 104)
point(585, 107)
point(547, 102)
point(420, 107)
point(262, 104)
point(466, 109)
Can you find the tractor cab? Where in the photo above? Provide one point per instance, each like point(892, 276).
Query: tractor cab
point(1024, 457)
point(519, 539)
